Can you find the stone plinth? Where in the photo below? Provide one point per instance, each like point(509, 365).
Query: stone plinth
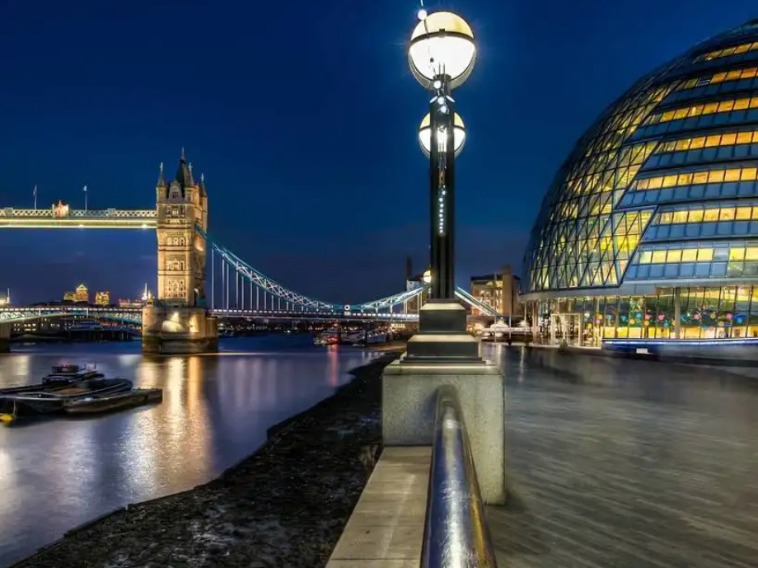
point(409, 404)
point(442, 336)
point(5, 337)
point(178, 330)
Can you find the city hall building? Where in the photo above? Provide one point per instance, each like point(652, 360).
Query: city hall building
point(649, 232)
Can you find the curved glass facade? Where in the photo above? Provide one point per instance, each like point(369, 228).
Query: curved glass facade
point(650, 227)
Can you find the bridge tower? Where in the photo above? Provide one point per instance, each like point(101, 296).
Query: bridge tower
point(177, 321)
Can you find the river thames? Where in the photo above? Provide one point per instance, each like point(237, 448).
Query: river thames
point(57, 474)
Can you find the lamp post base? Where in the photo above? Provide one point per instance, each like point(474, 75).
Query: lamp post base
point(442, 337)
point(443, 354)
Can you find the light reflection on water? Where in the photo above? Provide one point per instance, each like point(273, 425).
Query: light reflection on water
point(57, 474)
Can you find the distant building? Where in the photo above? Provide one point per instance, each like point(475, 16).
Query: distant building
point(5, 300)
point(82, 294)
point(499, 290)
point(103, 298)
point(146, 295)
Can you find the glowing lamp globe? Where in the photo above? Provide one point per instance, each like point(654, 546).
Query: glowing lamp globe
point(425, 134)
point(442, 44)
point(427, 277)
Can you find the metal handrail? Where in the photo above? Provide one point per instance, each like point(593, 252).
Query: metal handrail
point(456, 533)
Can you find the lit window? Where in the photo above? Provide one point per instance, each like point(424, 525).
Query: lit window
point(726, 52)
point(682, 145)
point(659, 256)
point(718, 78)
point(645, 257)
point(737, 254)
point(704, 254)
point(674, 256)
point(680, 217)
point(751, 253)
point(696, 216)
point(726, 214)
point(666, 217)
point(732, 175)
point(743, 213)
point(728, 139)
point(711, 215)
point(741, 104)
point(716, 176)
point(684, 179)
point(689, 255)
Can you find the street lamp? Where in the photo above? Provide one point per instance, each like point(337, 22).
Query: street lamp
point(425, 134)
point(442, 45)
point(441, 56)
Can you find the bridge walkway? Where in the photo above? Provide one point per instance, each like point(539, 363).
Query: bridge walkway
point(627, 463)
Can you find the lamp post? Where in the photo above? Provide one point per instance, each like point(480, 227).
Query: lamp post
point(441, 56)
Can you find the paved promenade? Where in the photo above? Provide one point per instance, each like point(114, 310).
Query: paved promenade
point(626, 463)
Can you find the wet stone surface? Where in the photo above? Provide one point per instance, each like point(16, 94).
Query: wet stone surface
point(286, 505)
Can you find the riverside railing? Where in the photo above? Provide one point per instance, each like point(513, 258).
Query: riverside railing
point(456, 533)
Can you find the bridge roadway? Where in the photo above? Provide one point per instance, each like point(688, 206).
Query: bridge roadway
point(627, 463)
point(134, 315)
point(14, 218)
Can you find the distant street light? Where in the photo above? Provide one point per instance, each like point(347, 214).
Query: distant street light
point(441, 56)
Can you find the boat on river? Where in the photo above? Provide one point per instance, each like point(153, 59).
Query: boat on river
point(65, 384)
point(98, 403)
point(62, 377)
point(328, 337)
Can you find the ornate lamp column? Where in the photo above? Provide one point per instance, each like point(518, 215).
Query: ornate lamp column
point(441, 56)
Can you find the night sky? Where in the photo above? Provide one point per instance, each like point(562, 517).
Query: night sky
point(303, 117)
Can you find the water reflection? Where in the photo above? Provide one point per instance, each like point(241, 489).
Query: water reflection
point(57, 474)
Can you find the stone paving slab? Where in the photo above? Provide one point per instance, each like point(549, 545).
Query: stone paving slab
point(387, 526)
point(627, 463)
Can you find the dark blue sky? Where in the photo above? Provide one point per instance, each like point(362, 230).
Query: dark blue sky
point(303, 117)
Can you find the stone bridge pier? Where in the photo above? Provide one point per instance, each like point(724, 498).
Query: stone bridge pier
point(5, 337)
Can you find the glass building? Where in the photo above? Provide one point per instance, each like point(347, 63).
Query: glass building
point(650, 228)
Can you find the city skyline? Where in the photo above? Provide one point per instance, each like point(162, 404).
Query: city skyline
point(338, 223)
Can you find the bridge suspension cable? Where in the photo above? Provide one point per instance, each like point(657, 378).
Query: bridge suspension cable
point(270, 296)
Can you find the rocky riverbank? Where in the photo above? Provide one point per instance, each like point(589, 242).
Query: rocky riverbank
point(285, 505)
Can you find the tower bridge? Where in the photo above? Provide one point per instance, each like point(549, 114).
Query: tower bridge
point(183, 317)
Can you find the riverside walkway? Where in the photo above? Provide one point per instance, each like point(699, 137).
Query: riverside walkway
point(627, 463)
